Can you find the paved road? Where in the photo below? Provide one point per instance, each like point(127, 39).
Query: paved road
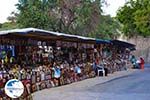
point(147, 65)
point(134, 86)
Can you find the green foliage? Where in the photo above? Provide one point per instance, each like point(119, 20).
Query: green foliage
point(33, 14)
point(8, 25)
point(142, 18)
point(1, 25)
point(81, 17)
point(108, 28)
point(11, 24)
point(56, 15)
point(135, 17)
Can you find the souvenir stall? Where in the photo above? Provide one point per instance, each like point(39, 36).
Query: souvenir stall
point(113, 54)
point(20, 57)
point(41, 59)
point(121, 53)
point(102, 54)
point(118, 59)
point(44, 59)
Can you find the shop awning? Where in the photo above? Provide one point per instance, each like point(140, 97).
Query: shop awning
point(34, 32)
point(47, 35)
point(100, 41)
point(123, 44)
point(30, 30)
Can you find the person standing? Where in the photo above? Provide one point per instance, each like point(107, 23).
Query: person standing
point(133, 61)
point(142, 63)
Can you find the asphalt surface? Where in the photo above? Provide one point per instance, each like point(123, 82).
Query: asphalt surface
point(132, 87)
point(135, 86)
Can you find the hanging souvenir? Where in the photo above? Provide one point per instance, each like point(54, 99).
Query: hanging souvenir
point(39, 43)
point(58, 43)
point(42, 76)
point(75, 45)
point(57, 72)
point(33, 77)
point(34, 88)
point(12, 48)
point(42, 85)
point(28, 86)
point(50, 54)
point(48, 84)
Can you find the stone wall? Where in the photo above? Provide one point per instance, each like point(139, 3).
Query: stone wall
point(142, 47)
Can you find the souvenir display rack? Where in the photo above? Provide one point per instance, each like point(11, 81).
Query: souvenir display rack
point(42, 59)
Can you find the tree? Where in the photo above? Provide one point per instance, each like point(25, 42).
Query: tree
point(135, 17)
point(11, 24)
point(13, 17)
point(142, 18)
point(69, 16)
point(1, 25)
point(33, 13)
point(108, 28)
point(81, 17)
point(8, 25)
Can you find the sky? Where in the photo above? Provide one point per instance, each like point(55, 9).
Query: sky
point(113, 6)
point(7, 6)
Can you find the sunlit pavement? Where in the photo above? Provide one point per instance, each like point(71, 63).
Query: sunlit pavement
point(125, 85)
